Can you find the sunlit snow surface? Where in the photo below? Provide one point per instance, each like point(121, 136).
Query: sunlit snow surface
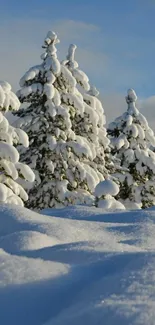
point(77, 266)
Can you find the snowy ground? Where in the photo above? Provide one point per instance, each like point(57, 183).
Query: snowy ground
point(77, 267)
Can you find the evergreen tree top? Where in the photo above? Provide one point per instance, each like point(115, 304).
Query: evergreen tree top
point(131, 96)
point(38, 80)
point(71, 56)
point(81, 78)
point(131, 125)
point(49, 44)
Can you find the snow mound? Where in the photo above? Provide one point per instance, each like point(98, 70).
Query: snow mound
point(106, 187)
point(26, 240)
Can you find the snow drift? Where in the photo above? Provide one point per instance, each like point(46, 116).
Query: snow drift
point(78, 266)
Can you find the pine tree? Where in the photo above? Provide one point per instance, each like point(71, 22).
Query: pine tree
point(11, 170)
point(91, 123)
point(59, 157)
point(131, 138)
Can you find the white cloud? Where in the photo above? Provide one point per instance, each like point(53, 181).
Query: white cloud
point(21, 44)
point(75, 30)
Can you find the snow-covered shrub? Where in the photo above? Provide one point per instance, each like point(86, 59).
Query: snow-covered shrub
point(60, 157)
point(11, 169)
point(105, 192)
point(131, 138)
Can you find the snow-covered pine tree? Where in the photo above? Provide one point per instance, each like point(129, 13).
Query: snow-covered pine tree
point(59, 158)
point(11, 170)
point(131, 138)
point(91, 123)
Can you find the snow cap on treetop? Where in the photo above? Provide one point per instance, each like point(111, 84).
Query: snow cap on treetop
point(71, 52)
point(70, 57)
point(49, 56)
point(106, 187)
point(51, 37)
point(131, 96)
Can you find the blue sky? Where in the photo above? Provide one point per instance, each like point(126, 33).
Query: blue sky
point(115, 39)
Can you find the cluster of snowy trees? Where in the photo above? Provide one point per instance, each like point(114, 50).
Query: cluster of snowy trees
point(70, 157)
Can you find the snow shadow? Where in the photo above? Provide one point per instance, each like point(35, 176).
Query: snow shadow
point(95, 214)
point(9, 224)
point(35, 303)
point(69, 253)
point(124, 228)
